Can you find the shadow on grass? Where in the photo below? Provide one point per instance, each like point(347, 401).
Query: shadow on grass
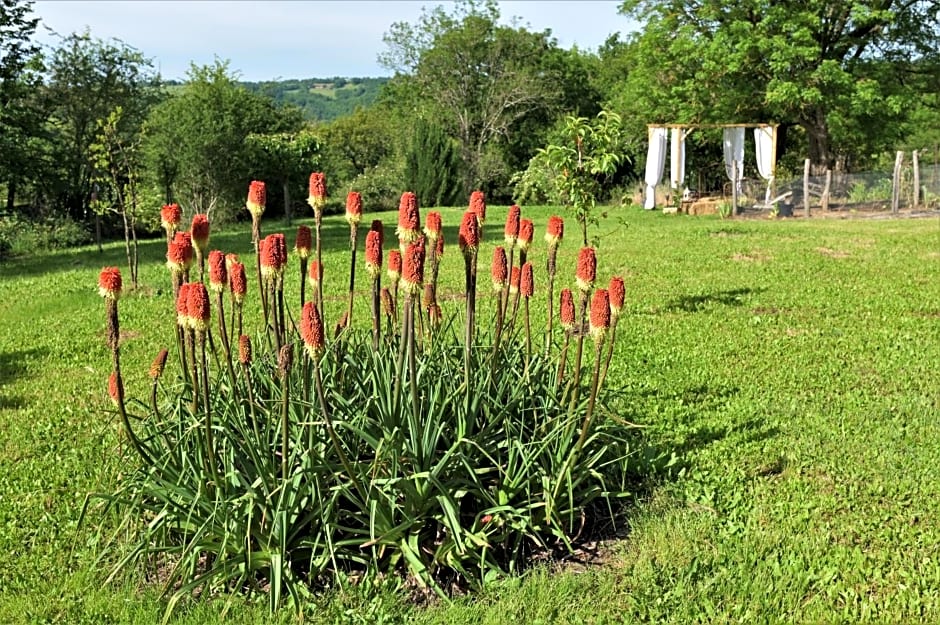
point(696, 303)
point(13, 367)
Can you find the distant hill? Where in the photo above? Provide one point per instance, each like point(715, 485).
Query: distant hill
point(322, 99)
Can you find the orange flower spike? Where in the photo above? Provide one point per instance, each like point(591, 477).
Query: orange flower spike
point(527, 281)
point(115, 388)
point(257, 198)
point(526, 232)
point(179, 252)
point(197, 304)
point(373, 253)
point(412, 273)
point(170, 217)
point(182, 305)
point(158, 364)
point(280, 250)
point(394, 265)
point(433, 224)
point(238, 282)
point(600, 314)
point(587, 269)
point(303, 244)
point(499, 269)
point(478, 206)
point(555, 231)
point(199, 231)
point(313, 272)
point(218, 278)
point(317, 194)
point(311, 330)
point(353, 208)
point(109, 283)
point(409, 220)
point(617, 293)
point(469, 237)
point(511, 231)
point(566, 310)
point(514, 277)
point(244, 350)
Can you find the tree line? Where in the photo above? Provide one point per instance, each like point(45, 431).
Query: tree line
point(89, 131)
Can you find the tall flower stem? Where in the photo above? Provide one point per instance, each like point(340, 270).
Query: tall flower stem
point(528, 333)
point(552, 253)
point(256, 240)
point(353, 244)
point(285, 404)
point(193, 370)
point(210, 443)
point(589, 415)
point(318, 221)
point(562, 362)
point(505, 293)
point(251, 399)
point(410, 306)
point(376, 311)
point(331, 432)
point(471, 289)
point(610, 349)
point(226, 346)
point(303, 282)
point(576, 371)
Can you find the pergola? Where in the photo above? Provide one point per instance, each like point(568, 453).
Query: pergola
point(765, 137)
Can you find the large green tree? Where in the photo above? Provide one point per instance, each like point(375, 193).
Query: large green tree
point(838, 70)
point(474, 77)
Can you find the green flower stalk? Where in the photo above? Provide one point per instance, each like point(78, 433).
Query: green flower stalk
point(617, 293)
point(554, 234)
point(469, 240)
point(257, 198)
point(302, 246)
point(586, 274)
point(353, 217)
point(374, 269)
point(317, 200)
point(600, 323)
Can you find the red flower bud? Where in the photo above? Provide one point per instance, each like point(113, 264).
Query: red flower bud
point(412, 273)
point(244, 350)
point(394, 265)
point(555, 231)
point(514, 277)
point(182, 305)
point(303, 242)
point(257, 197)
point(478, 206)
point(469, 237)
point(353, 207)
point(527, 281)
point(311, 329)
point(587, 268)
point(499, 270)
point(179, 252)
point(158, 364)
point(115, 388)
point(197, 306)
point(511, 232)
point(566, 311)
point(526, 231)
point(170, 217)
point(600, 314)
point(409, 221)
point(199, 230)
point(109, 283)
point(217, 274)
point(238, 282)
point(373, 253)
point(617, 292)
point(317, 197)
point(313, 272)
point(433, 225)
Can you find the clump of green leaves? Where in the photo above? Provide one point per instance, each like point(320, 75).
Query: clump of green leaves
point(570, 170)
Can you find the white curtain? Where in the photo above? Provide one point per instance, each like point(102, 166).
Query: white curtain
point(764, 142)
point(677, 158)
point(734, 151)
point(655, 162)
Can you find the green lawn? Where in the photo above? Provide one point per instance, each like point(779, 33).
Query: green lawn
point(792, 367)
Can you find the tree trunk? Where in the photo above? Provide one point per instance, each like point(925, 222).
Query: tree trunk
point(286, 188)
point(11, 194)
point(817, 133)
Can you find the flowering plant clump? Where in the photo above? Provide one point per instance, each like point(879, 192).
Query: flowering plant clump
point(275, 456)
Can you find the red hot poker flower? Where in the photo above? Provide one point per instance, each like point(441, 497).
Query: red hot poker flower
point(230, 259)
point(158, 364)
point(394, 265)
point(257, 198)
point(469, 237)
point(412, 273)
point(526, 231)
point(566, 311)
point(555, 231)
point(115, 388)
point(311, 329)
point(197, 304)
point(478, 206)
point(433, 225)
point(170, 217)
point(617, 292)
point(317, 197)
point(373, 253)
point(313, 272)
point(179, 252)
point(499, 269)
point(600, 314)
point(244, 349)
point(280, 245)
point(380, 228)
point(409, 220)
point(587, 269)
point(199, 231)
point(182, 305)
point(511, 232)
point(353, 207)
point(304, 242)
point(217, 274)
point(238, 282)
point(527, 281)
point(109, 283)
point(514, 277)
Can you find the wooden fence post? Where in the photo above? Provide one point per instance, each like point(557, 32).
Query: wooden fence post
point(916, 158)
point(824, 201)
point(896, 183)
point(806, 187)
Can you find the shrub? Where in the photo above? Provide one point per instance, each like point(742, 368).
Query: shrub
point(431, 446)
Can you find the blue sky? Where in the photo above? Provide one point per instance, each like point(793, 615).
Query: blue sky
point(274, 39)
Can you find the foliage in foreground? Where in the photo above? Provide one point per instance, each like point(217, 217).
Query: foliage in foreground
point(455, 456)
